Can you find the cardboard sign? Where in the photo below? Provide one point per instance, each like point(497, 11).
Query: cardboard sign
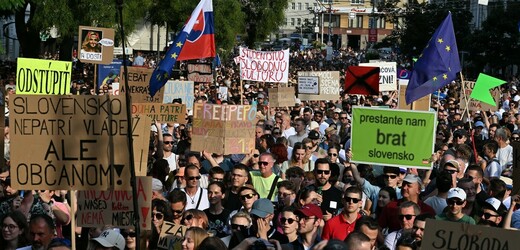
point(43, 77)
point(263, 66)
point(163, 113)
point(200, 72)
point(95, 45)
point(281, 97)
point(171, 236)
point(141, 139)
point(223, 129)
point(309, 85)
point(115, 207)
point(109, 73)
point(422, 104)
point(328, 85)
point(70, 142)
point(473, 104)
point(389, 137)
point(387, 75)
point(139, 85)
point(452, 235)
point(362, 80)
point(179, 89)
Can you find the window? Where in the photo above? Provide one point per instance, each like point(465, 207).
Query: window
point(358, 1)
point(299, 22)
point(381, 22)
point(306, 6)
point(293, 6)
point(299, 6)
point(305, 21)
point(292, 21)
point(315, 5)
point(356, 23)
point(286, 21)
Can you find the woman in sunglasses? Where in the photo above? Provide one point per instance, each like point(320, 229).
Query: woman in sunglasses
point(247, 195)
point(160, 213)
point(130, 238)
point(240, 223)
point(289, 223)
point(251, 159)
point(195, 218)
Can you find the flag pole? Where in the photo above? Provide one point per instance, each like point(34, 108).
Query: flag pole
point(466, 110)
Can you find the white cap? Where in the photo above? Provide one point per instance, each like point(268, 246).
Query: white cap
point(313, 125)
point(457, 193)
point(111, 238)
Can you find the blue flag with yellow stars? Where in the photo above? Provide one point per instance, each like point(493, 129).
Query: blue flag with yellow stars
point(438, 64)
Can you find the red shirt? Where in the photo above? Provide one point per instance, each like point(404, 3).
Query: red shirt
point(338, 228)
point(389, 216)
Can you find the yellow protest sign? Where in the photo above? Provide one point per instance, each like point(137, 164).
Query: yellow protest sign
point(175, 113)
point(43, 77)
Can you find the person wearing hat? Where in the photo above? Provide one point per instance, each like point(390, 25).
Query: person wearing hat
point(492, 213)
point(412, 186)
point(309, 219)
point(157, 189)
point(110, 239)
point(456, 201)
point(247, 195)
point(262, 214)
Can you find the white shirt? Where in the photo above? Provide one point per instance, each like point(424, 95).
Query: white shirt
point(191, 202)
point(172, 161)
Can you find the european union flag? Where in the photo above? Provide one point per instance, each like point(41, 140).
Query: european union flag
point(438, 64)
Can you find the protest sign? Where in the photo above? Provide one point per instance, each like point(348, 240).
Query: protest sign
point(453, 235)
point(179, 90)
point(309, 85)
point(95, 45)
point(109, 73)
point(115, 207)
point(70, 142)
point(141, 142)
point(43, 77)
point(263, 66)
point(362, 80)
point(171, 236)
point(389, 137)
point(222, 93)
point(422, 104)
point(387, 75)
point(223, 129)
point(139, 85)
point(473, 104)
point(2, 127)
point(328, 85)
point(281, 97)
point(163, 113)
point(200, 72)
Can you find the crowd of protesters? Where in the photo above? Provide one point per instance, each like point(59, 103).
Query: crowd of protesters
point(297, 189)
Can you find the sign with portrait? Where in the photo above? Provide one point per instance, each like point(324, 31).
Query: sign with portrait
point(95, 45)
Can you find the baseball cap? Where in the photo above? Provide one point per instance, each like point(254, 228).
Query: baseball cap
point(247, 186)
point(111, 238)
point(157, 185)
point(479, 124)
point(313, 125)
point(495, 205)
point(508, 181)
point(314, 135)
point(457, 193)
point(337, 110)
point(411, 178)
point(460, 132)
point(310, 210)
point(329, 130)
point(453, 163)
point(262, 208)
point(403, 170)
point(260, 96)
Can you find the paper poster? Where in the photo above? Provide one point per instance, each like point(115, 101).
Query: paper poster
point(200, 72)
point(174, 113)
point(72, 142)
point(115, 207)
point(309, 85)
point(387, 75)
point(43, 77)
point(328, 85)
point(109, 73)
point(389, 137)
point(95, 45)
point(263, 66)
point(281, 97)
point(183, 90)
point(222, 93)
point(139, 85)
point(223, 129)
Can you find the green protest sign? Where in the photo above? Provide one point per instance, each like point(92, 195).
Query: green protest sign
point(392, 137)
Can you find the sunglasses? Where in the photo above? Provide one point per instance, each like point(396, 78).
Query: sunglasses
point(256, 155)
point(238, 227)
point(390, 176)
point(343, 118)
point(6, 182)
point(168, 142)
point(126, 234)
point(247, 197)
point(451, 171)
point(488, 215)
point(277, 133)
point(459, 136)
point(158, 216)
point(178, 211)
point(187, 218)
point(288, 220)
point(178, 177)
point(353, 200)
point(263, 163)
point(325, 172)
point(515, 138)
point(333, 154)
point(191, 178)
point(455, 201)
point(406, 216)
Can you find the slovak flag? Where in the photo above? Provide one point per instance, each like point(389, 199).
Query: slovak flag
point(195, 41)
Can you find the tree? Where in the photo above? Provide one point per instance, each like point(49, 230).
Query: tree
point(263, 18)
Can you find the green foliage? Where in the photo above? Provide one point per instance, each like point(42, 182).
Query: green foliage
point(229, 22)
point(263, 18)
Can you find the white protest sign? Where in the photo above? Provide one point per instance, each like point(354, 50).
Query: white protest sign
point(308, 85)
point(222, 93)
point(387, 75)
point(263, 66)
point(179, 90)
